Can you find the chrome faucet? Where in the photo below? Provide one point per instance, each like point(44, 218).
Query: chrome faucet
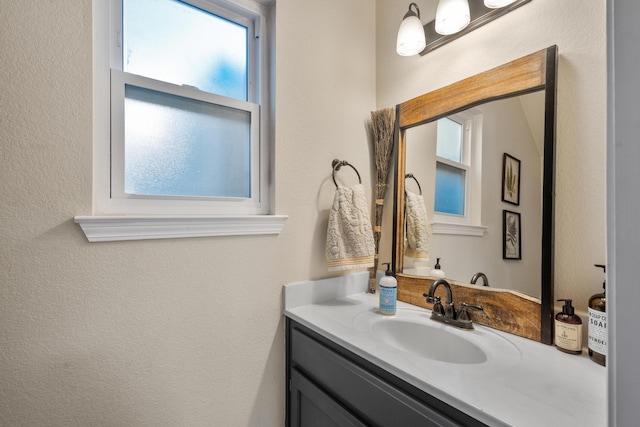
point(478, 275)
point(448, 314)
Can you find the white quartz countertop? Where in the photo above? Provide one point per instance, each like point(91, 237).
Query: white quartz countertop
point(543, 387)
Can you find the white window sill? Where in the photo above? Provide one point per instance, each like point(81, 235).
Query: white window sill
point(458, 229)
point(118, 228)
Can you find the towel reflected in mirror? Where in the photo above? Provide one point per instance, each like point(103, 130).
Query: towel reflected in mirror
point(418, 229)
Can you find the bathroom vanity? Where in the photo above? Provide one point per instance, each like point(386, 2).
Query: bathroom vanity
point(330, 385)
point(348, 365)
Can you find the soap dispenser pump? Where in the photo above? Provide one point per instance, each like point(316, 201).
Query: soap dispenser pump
point(388, 292)
point(568, 327)
point(597, 338)
point(437, 272)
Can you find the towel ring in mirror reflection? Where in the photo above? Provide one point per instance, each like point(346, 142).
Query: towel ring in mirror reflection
point(410, 175)
point(337, 164)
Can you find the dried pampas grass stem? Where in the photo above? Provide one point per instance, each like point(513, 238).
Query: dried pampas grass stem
point(382, 129)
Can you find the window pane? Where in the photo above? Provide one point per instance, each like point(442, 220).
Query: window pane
point(170, 41)
point(179, 146)
point(449, 144)
point(450, 183)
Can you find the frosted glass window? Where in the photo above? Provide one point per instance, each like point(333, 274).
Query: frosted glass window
point(449, 144)
point(185, 147)
point(185, 134)
point(450, 189)
point(174, 42)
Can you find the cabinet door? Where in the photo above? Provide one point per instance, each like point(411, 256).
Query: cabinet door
point(311, 407)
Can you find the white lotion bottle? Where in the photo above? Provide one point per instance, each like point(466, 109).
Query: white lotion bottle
point(436, 272)
point(388, 292)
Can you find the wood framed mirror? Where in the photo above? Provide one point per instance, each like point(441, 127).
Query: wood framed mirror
point(534, 73)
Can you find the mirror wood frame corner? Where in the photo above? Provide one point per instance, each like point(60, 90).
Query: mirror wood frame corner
point(531, 73)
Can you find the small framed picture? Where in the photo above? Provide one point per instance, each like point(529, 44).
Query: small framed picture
point(510, 179)
point(511, 235)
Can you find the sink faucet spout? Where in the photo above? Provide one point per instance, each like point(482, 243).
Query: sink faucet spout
point(478, 275)
point(449, 310)
point(434, 286)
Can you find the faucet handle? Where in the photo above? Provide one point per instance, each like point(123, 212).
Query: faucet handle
point(429, 298)
point(438, 308)
point(463, 315)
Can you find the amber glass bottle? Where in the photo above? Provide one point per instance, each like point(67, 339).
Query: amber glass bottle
point(597, 342)
point(568, 327)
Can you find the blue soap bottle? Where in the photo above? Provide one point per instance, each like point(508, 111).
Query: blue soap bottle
point(388, 292)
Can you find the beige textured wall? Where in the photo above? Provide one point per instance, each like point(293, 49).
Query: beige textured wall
point(325, 93)
point(577, 27)
point(173, 332)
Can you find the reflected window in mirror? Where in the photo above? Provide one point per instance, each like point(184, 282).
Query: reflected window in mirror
point(458, 171)
point(450, 189)
point(451, 171)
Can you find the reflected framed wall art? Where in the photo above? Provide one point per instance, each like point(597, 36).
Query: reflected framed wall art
point(511, 235)
point(510, 179)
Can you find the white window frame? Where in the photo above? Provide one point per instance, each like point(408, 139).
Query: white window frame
point(119, 217)
point(470, 223)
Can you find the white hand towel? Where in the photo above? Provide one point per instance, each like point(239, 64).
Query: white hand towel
point(418, 229)
point(350, 242)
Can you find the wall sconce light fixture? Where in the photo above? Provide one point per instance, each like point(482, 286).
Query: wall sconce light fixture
point(454, 18)
point(411, 36)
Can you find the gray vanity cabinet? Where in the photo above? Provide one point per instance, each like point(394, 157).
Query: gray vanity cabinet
point(329, 385)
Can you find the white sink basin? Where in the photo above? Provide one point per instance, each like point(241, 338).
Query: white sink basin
point(428, 341)
point(412, 331)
